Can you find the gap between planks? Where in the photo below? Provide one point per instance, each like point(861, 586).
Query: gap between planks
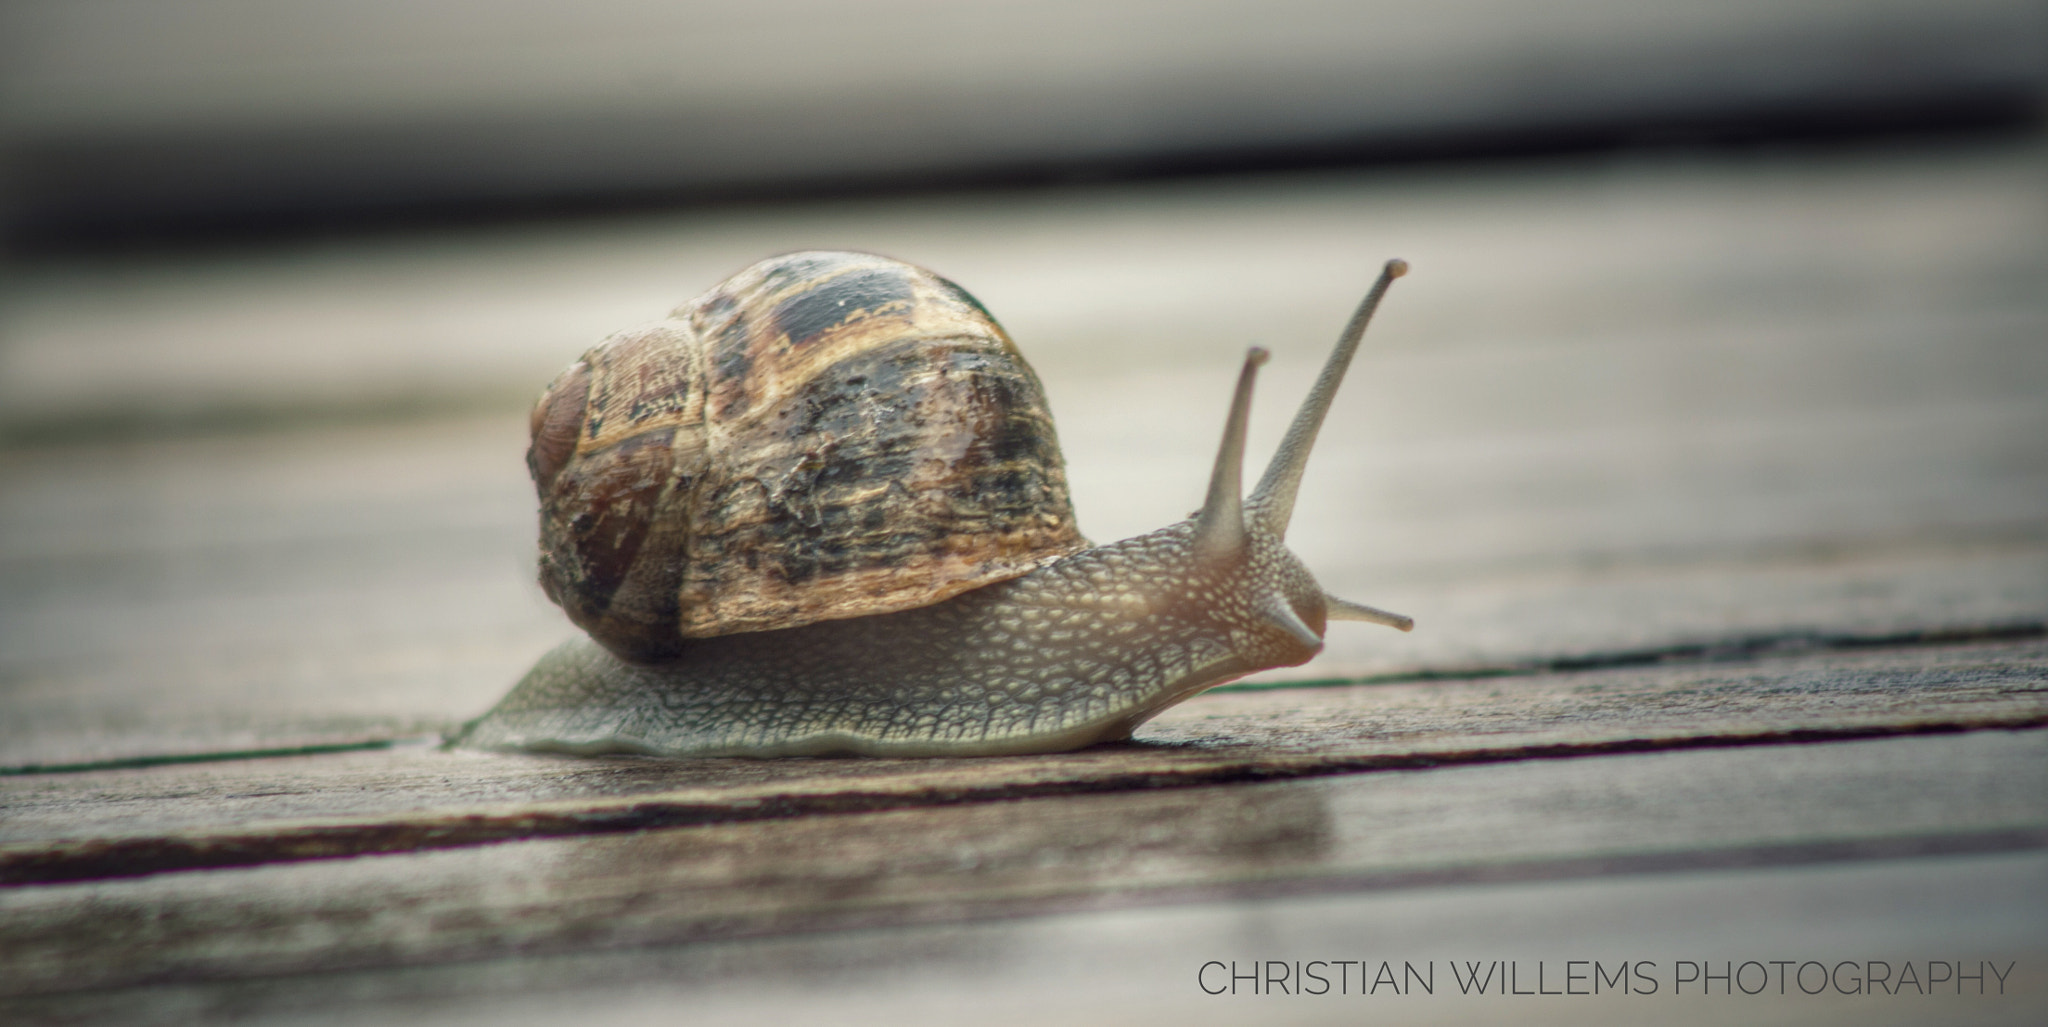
point(1926, 801)
point(1744, 647)
point(1241, 737)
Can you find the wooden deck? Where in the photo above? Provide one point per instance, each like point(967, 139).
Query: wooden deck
point(1717, 488)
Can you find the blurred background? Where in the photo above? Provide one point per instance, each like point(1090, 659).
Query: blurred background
point(1726, 328)
point(127, 119)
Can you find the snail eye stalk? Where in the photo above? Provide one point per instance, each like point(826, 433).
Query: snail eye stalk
point(1219, 526)
point(1272, 503)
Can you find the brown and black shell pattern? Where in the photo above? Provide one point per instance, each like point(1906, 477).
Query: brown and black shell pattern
point(821, 436)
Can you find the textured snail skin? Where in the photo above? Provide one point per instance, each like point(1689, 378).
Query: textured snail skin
point(1080, 651)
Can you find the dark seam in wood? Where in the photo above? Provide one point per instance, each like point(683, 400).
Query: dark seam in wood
point(137, 762)
point(1726, 651)
point(100, 859)
point(1091, 897)
point(1731, 650)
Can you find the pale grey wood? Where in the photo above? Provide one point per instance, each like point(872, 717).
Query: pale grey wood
point(1470, 824)
point(1138, 965)
point(266, 591)
point(238, 811)
point(1619, 404)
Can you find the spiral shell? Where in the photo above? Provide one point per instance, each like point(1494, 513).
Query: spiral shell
point(821, 436)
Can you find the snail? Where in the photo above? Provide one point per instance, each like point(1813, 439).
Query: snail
point(821, 510)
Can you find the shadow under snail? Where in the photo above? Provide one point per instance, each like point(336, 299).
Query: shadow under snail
point(821, 510)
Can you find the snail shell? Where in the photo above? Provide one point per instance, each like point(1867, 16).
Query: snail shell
point(821, 436)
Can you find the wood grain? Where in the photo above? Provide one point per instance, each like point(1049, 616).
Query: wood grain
point(1714, 484)
point(1619, 406)
point(1476, 823)
point(126, 822)
point(1137, 964)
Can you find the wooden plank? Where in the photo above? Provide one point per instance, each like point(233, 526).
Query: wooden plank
point(267, 591)
point(124, 822)
point(278, 604)
point(1139, 965)
point(1546, 819)
point(1608, 413)
point(1683, 258)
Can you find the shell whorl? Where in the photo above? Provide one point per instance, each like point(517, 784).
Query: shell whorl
point(821, 436)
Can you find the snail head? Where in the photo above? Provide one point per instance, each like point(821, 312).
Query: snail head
point(1271, 604)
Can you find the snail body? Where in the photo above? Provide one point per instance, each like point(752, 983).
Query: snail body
point(875, 555)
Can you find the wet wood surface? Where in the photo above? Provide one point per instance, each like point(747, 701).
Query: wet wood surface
point(952, 861)
point(123, 822)
point(1140, 964)
point(1716, 489)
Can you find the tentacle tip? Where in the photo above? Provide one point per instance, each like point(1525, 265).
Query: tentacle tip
point(1345, 609)
point(1396, 268)
point(1256, 356)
